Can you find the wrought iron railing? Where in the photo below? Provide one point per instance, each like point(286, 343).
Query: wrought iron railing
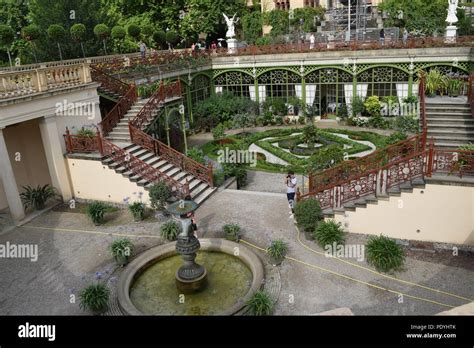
point(138, 137)
point(470, 93)
point(82, 144)
point(141, 169)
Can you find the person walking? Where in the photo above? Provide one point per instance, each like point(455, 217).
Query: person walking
point(291, 181)
point(312, 41)
point(405, 36)
point(142, 49)
point(382, 37)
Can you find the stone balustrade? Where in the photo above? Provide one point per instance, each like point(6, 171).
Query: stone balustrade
point(42, 79)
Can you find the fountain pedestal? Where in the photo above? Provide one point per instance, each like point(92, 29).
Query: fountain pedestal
point(190, 277)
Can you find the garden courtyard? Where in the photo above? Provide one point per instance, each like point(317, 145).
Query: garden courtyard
point(73, 253)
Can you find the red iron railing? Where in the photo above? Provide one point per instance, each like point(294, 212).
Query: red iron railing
point(82, 144)
point(470, 93)
point(369, 163)
point(114, 116)
point(421, 98)
point(451, 162)
point(109, 82)
point(138, 137)
point(141, 169)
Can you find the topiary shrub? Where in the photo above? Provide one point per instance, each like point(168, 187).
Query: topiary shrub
point(134, 31)
point(78, 33)
point(384, 253)
point(102, 32)
point(7, 36)
point(159, 37)
point(308, 214)
point(31, 32)
point(159, 194)
point(232, 232)
point(171, 37)
point(328, 233)
point(170, 230)
point(260, 304)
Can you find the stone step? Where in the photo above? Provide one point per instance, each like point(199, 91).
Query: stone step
point(198, 189)
point(455, 132)
point(454, 139)
point(450, 121)
point(117, 139)
point(450, 114)
point(205, 195)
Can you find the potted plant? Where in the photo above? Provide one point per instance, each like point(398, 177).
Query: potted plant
point(138, 211)
point(122, 249)
point(454, 87)
point(277, 251)
point(232, 232)
point(95, 298)
point(260, 304)
point(37, 197)
point(96, 212)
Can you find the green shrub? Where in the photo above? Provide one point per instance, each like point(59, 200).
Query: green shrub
point(326, 158)
point(134, 31)
point(96, 212)
point(310, 134)
point(396, 137)
point(406, 124)
point(118, 32)
point(95, 297)
point(329, 232)
point(159, 37)
point(301, 120)
point(279, 120)
point(260, 304)
point(232, 232)
point(138, 210)
point(171, 37)
point(467, 147)
point(357, 106)
point(102, 31)
point(196, 154)
point(384, 253)
point(31, 32)
point(218, 177)
point(86, 133)
point(262, 41)
point(308, 214)
point(372, 105)
point(267, 118)
point(277, 251)
point(7, 36)
point(121, 250)
point(56, 32)
point(342, 111)
point(378, 122)
point(413, 99)
point(37, 197)
point(170, 230)
point(279, 107)
point(218, 132)
point(159, 194)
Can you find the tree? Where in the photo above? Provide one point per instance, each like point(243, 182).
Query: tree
point(57, 33)
point(78, 34)
point(278, 20)
point(310, 16)
point(118, 34)
point(171, 38)
point(134, 31)
point(310, 134)
point(160, 38)
point(102, 32)
point(420, 17)
point(7, 36)
point(252, 26)
point(31, 33)
point(147, 32)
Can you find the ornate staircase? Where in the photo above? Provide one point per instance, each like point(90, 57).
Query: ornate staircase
point(450, 123)
point(129, 151)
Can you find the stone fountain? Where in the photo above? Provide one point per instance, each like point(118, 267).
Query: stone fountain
point(190, 277)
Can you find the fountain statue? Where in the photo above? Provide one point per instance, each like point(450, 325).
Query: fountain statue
point(451, 19)
point(190, 277)
point(231, 42)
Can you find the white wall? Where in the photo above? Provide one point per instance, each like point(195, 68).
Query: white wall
point(92, 180)
point(441, 213)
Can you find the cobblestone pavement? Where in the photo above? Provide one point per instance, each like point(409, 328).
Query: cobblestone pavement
point(73, 253)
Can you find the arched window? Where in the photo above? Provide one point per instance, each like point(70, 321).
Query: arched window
point(200, 88)
point(279, 84)
point(383, 81)
point(236, 82)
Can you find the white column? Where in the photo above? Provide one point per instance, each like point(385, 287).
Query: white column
point(9, 183)
point(55, 157)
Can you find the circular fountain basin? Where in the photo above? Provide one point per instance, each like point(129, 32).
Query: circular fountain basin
point(147, 285)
